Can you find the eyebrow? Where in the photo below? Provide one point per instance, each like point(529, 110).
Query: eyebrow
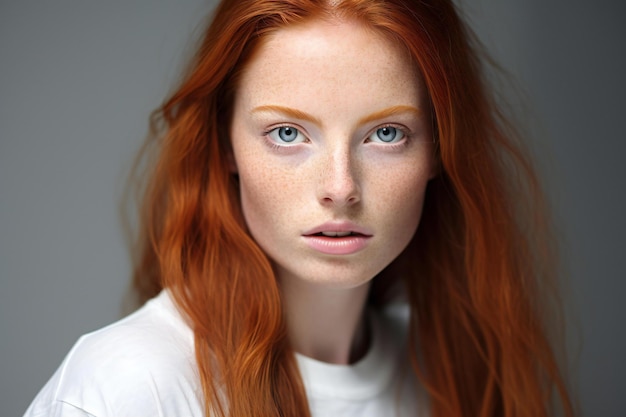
point(298, 114)
point(287, 111)
point(391, 111)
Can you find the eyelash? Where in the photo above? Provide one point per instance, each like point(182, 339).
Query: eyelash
point(391, 146)
point(274, 145)
point(407, 136)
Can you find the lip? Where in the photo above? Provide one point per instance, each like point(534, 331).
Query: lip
point(340, 245)
point(340, 226)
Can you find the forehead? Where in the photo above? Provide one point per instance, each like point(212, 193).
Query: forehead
point(329, 60)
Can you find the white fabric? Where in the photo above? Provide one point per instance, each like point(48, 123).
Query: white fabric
point(144, 365)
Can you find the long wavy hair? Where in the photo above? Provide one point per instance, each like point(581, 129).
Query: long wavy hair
point(474, 274)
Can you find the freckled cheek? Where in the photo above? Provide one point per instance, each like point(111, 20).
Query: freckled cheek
point(269, 196)
point(400, 194)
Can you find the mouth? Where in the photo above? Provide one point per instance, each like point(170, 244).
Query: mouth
point(338, 229)
point(337, 234)
point(337, 238)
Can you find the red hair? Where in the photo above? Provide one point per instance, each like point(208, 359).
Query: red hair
point(474, 272)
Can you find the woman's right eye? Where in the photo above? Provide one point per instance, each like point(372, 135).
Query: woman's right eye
point(286, 135)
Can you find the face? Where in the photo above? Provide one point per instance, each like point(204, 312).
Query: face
point(332, 144)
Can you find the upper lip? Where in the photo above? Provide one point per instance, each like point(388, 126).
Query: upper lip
point(338, 226)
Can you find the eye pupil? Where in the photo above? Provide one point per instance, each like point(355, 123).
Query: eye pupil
point(287, 134)
point(387, 133)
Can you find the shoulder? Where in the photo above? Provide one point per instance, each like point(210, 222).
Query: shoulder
point(140, 365)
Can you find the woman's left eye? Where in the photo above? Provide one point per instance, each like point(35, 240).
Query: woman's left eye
point(387, 134)
point(286, 135)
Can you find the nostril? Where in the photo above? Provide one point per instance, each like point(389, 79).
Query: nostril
point(339, 186)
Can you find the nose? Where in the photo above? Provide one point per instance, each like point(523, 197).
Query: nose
point(339, 185)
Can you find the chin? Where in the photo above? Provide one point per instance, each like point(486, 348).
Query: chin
point(337, 276)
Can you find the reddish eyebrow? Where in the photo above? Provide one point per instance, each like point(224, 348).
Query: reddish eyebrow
point(297, 114)
point(391, 111)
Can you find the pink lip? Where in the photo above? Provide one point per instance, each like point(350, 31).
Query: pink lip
point(344, 245)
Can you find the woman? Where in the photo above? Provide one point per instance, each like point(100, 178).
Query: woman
point(280, 244)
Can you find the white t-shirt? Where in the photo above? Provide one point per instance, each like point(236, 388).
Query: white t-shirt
point(144, 365)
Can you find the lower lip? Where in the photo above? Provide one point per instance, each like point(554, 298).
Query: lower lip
point(337, 245)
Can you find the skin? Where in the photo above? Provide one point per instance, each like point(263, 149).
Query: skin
point(337, 84)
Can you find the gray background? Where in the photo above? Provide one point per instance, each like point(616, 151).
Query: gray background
point(79, 78)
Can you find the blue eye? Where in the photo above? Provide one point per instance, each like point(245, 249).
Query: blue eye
point(386, 134)
point(286, 134)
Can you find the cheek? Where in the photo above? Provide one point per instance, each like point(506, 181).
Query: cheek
point(268, 195)
point(258, 199)
point(400, 194)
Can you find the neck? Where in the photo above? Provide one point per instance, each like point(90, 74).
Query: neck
point(326, 324)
